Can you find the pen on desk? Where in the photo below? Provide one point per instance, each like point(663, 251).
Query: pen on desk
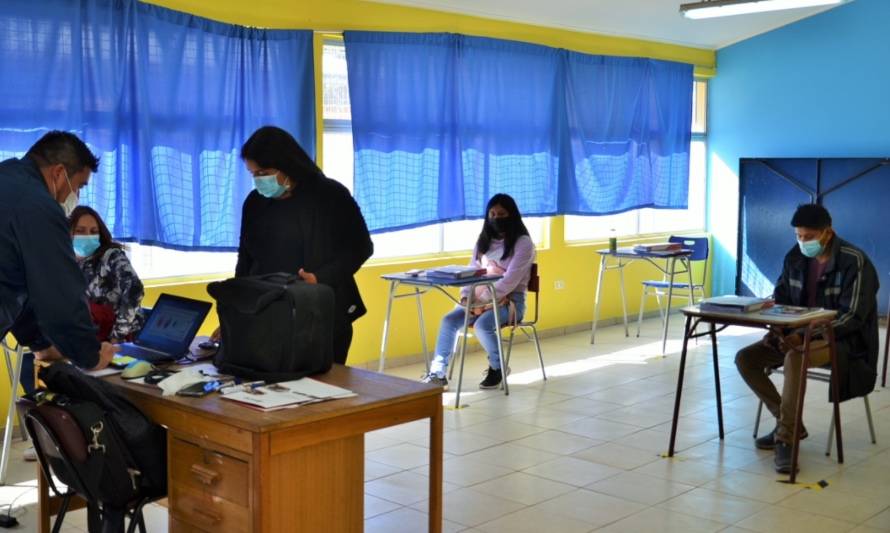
point(241, 387)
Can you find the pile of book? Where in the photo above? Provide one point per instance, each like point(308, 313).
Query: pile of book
point(455, 272)
point(734, 304)
point(659, 247)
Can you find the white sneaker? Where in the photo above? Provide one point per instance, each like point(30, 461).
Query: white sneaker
point(30, 454)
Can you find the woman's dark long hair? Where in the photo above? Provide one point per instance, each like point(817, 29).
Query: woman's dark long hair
point(105, 240)
point(272, 147)
point(514, 229)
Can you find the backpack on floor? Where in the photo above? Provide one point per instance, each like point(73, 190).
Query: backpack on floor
point(274, 327)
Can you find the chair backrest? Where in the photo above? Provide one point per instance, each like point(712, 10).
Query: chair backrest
point(698, 245)
point(534, 282)
point(58, 442)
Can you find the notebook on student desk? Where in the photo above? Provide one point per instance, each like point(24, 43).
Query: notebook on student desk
point(170, 330)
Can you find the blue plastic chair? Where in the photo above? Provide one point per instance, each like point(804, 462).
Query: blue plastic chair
point(658, 288)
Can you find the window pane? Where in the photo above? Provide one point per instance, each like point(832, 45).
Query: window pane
point(462, 235)
point(337, 159)
point(414, 241)
point(693, 218)
point(335, 82)
point(578, 228)
point(156, 262)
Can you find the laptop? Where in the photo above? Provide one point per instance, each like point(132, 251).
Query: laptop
point(169, 331)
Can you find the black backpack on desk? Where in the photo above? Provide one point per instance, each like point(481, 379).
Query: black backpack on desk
point(274, 327)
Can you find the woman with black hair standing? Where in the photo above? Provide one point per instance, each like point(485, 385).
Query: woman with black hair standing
point(299, 221)
point(504, 248)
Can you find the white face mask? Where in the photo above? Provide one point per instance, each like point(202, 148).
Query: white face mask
point(71, 200)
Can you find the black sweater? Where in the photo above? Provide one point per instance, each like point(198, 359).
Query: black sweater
point(319, 228)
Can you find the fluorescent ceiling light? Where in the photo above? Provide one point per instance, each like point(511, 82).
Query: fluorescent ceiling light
point(725, 8)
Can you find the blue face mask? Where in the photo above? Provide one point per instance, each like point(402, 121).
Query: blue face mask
point(85, 245)
point(810, 248)
point(268, 186)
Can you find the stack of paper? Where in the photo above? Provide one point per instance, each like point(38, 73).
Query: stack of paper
point(455, 272)
point(659, 247)
point(289, 394)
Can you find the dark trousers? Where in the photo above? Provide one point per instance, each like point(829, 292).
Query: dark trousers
point(342, 340)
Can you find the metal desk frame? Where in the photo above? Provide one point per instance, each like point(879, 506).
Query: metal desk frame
point(626, 256)
point(13, 358)
point(421, 284)
point(814, 324)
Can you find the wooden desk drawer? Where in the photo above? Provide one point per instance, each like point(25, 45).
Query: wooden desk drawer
point(208, 512)
point(209, 472)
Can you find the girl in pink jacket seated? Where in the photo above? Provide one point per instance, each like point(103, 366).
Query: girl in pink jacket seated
point(503, 248)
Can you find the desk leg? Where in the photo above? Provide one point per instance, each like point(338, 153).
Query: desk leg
point(623, 298)
point(686, 331)
point(497, 332)
point(798, 412)
point(667, 314)
point(463, 346)
point(835, 393)
point(392, 293)
point(717, 380)
point(436, 477)
point(596, 297)
point(426, 353)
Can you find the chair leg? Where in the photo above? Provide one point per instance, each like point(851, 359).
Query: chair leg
point(642, 303)
point(830, 436)
point(540, 354)
point(451, 359)
point(509, 346)
point(757, 420)
point(137, 519)
point(871, 425)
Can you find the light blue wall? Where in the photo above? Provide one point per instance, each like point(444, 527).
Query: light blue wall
point(818, 87)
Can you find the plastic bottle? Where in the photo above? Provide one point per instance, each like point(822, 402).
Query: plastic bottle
point(613, 241)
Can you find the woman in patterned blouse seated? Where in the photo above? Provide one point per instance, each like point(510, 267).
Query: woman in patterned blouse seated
point(114, 291)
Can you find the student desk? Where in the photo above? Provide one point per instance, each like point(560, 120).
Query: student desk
point(235, 469)
point(626, 256)
point(817, 323)
point(420, 284)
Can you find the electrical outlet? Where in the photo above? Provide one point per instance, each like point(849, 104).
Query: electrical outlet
point(559, 284)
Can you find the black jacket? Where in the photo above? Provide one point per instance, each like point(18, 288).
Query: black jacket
point(41, 286)
point(319, 229)
point(849, 285)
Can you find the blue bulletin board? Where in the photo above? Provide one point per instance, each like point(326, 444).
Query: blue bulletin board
point(856, 191)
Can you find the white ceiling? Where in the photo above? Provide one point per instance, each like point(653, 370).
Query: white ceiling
point(655, 20)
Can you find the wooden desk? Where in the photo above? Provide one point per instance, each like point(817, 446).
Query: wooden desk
point(236, 469)
point(820, 322)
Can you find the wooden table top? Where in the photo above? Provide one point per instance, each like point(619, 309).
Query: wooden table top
point(374, 390)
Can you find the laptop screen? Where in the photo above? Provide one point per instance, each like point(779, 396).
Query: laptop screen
point(173, 323)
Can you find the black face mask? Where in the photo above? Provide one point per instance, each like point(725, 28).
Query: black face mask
point(500, 225)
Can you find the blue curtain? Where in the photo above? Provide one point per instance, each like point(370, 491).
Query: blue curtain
point(630, 125)
point(441, 122)
point(165, 98)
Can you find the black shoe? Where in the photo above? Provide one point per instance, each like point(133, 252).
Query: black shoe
point(492, 379)
point(783, 457)
point(768, 441)
point(435, 380)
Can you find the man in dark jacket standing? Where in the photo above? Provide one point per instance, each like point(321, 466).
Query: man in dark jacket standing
point(825, 271)
point(42, 297)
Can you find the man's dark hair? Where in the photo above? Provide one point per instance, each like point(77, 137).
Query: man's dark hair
point(66, 148)
point(811, 216)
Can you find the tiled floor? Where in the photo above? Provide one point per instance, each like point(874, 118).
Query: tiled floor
point(583, 451)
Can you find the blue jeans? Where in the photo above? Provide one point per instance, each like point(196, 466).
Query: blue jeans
point(484, 331)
